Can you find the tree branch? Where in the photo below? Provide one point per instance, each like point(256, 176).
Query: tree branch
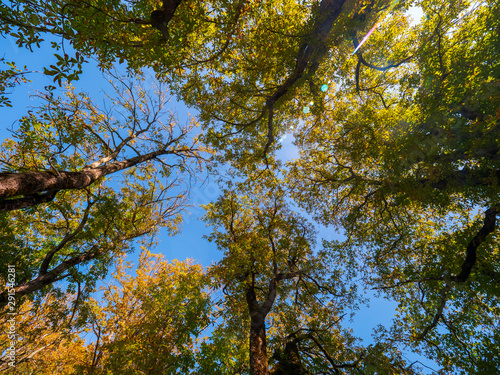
point(68, 237)
point(29, 183)
point(444, 298)
point(329, 357)
point(488, 227)
point(27, 201)
point(379, 68)
point(50, 276)
point(311, 52)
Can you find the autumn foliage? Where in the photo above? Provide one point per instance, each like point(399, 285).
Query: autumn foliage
point(395, 147)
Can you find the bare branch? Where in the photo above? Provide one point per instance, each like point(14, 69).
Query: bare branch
point(444, 298)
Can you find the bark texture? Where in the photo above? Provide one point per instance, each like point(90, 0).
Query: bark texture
point(27, 186)
point(488, 227)
point(161, 17)
point(258, 347)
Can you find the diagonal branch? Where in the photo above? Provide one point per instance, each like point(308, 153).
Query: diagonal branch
point(266, 306)
point(329, 357)
point(439, 314)
point(488, 227)
point(311, 52)
point(469, 262)
point(29, 183)
point(379, 68)
point(52, 275)
point(58, 272)
point(68, 237)
point(117, 150)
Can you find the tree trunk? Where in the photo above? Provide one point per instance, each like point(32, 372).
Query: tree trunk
point(258, 348)
point(27, 183)
point(289, 362)
point(259, 364)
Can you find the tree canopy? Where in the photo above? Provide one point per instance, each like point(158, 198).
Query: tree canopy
point(410, 171)
point(398, 144)
point(159, 311)
point(67, 153)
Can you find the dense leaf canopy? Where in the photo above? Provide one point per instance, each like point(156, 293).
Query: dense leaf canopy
point(398, 148)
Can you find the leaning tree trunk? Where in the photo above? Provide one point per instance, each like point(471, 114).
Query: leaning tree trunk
point(29, 185)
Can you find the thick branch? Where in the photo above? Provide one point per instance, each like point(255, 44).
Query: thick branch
point(30, 183)
point(27, 201)
point(469, 262)
point(271, 294)
point(488, 227)
point(311, 52)
point(251, 298)
point(161, 18)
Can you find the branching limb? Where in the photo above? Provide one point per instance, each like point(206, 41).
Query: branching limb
point(398, 284)
point(161, 17)
point(329, 357)
point(67, 238)
point(488, 227)
point(361, 59)
point(311, 52)
point(439, 314)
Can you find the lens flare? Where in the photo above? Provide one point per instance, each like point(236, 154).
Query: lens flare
point(391, 7)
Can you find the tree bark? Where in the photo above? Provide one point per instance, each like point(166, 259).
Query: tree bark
point(488, 227)
point(28, 184)
point(161, 18)
point(28, 201)
point(258, 346)
point(259, 364)
point(311, 52)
